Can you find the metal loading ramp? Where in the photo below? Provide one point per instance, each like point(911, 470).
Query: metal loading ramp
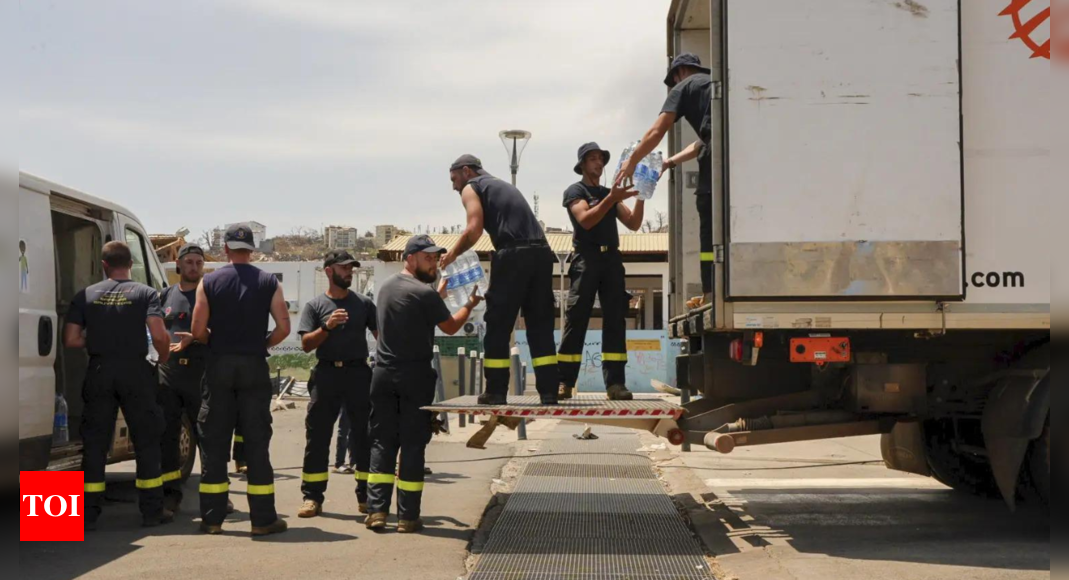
point(579, 408)
point(590, 510)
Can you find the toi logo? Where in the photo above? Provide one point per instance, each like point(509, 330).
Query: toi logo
point(1031, 24)
point(53, 506)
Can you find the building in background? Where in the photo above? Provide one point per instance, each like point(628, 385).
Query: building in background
point(259, 234)
point(341, 237)
point(384, 235)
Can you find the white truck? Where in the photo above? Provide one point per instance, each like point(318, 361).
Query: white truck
point(61, 234)
point(882, 228)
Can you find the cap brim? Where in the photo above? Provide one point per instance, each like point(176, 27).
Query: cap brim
point(344, 263)
point(240, 246)
point(668, 78)
point(435, 250)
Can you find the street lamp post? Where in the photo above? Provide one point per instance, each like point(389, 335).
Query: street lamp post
point(515, 141)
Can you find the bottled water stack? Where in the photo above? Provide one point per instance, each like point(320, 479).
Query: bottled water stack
point(464, 275)
point(647, 173)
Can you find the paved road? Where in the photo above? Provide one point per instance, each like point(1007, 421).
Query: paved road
point(333, 546)
point(797, 512)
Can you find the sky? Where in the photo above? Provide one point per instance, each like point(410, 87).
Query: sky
point(327, 112)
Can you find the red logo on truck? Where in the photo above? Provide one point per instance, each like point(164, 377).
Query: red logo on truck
point(1030, 21)
point(53, 506)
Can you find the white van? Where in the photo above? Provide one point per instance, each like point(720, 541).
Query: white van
point(61, 234)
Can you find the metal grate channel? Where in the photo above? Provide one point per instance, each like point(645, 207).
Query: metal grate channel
point(588, 510)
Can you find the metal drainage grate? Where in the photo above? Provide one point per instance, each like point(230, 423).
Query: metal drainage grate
point(590, 510)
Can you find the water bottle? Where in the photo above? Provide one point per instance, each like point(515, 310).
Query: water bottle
point(60, 429)
point(647, 172)
point(464, 275)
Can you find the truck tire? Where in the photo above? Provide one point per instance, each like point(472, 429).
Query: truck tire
point(1040, 465)
point(958, 471)
point(187, 447)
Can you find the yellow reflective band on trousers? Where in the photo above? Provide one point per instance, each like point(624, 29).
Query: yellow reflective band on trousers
point(172, 476)
point(708, 256)
point(95, 487)
point(497, 363)
point(570, 358)
point(315, 477)
point(262, 489)
point(544, 361)
point(381, 479)
point(361, 476)
point(614, 357)
point(410, 486)
point(214, 487)
point(239, 439)
point(149, 483)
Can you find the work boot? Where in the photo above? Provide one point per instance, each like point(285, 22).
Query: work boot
point(310, 509)
point(276, 528)
point(172, 502)
point(376, 522)
point(362, 508)
point(549, 400)
point(163, 518)
point(619, 393)
point(565, 392)
point(409, 526)
point(241, 468)
point(230, 507)
point(211, 530)
point(494, 399)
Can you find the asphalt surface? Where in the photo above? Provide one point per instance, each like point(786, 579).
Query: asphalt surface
point(335, 545)
point(831, 510)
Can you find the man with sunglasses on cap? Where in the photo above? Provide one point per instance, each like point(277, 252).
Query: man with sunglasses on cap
point(690, 98)
point(522, 277)
point(597, 272)
point(404, 382)
point(182, 375)
point(335, 326)
point(231, 317)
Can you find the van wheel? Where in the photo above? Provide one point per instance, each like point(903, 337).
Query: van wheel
point(187, 447)
point(1040, 465)
point(958, 471)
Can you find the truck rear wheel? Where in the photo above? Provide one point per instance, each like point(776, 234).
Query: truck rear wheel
point(187, 447)
point(959, 471)
point(1040, 465)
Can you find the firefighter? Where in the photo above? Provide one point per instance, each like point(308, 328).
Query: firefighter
point(522, 270)
point(404, 382)
point(231, 317)
point(335, 325)
point(108, 319)
point(181, 377)
point(597, 271)
point(690, 98)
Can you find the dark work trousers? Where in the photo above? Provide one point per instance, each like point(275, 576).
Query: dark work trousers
point(180, 395)
point(347, 386)
point(129, 384)
point(237, 390)
point(398, 424)
point(239, 444)
point(704, 199)
point(522, 278)
point(596, 272)
point(346, 443)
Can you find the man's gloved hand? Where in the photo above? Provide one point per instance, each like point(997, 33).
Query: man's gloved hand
point(437, 426)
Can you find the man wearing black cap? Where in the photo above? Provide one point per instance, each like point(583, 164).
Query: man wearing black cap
point(522, 277)
point(597, 272)
point(108, 319)
point(690, 98)
point(403, 382)
point(231, 317)
point(181, 376)
point(335, 325)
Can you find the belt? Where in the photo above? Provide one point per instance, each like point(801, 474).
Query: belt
point(593, 248)
point(185, 362)
point(520, 244)
point(341, 364)
point(118, 359)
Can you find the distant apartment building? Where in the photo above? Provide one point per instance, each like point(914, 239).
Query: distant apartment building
point(341, 237)
point(385, 234)
point(259, 234)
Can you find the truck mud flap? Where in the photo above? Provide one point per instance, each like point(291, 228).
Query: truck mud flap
point(1016, 415)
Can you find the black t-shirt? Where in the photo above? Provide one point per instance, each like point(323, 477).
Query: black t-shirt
point(409, 311)
point(239, 297)
point(602, 234)
point(691, 100)
point(113, 314)
point(178, 315)
point(345, 343)
point(506, 216)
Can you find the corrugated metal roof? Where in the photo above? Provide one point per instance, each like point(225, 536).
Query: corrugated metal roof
point(648, 244)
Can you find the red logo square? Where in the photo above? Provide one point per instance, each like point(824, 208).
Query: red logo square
point(53, 506)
